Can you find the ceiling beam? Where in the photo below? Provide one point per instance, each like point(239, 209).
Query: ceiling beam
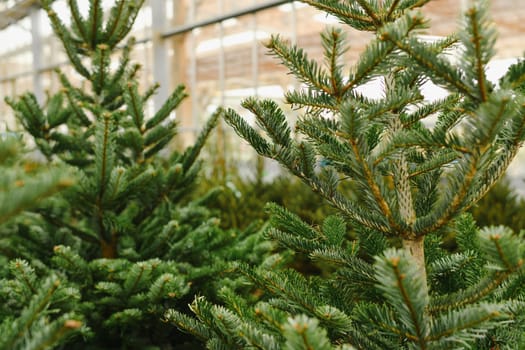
point(17, 12)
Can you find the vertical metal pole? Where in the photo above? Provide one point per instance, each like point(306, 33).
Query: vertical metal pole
point(222, 55)
point(221, 134)
point(255, 55)
point(195, 110)
point(293, 14)
point(160, 54)
point(259, 161)
point(36, 51)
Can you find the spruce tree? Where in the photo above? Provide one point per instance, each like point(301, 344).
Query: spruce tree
point(409, 184)
point(124, 235)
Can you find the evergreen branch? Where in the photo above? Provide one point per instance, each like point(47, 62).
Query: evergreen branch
point(514, 78)
point(334, 48)
point(304, 333)
point(431, 108)
point(396, 101)
point(135, 276)
point(392, 8)
point(353, 211)
point(442, 215)
point(383, 317)
point(360, 340)
point(53, 219)
point(103, 150)
point(158, 138)
point(402, 285)
point(103, 156)
point(269, 316)
point(205, 312)
point(479, 53)
point(71, 261)
point(371, 12)
point(287, 284)
point(24, 272)
point(477, 39)
point(244, 130)
point(285, 220)
point(27, 192)
point(193, 152)
point(374, 187)
point(435, 66)
point(346, 14)
point(72, 98)
point(117, 14)
point(502, 248)
point(307, 98)
point(437, 161)
point(489, 116)
point(64, 36)
point(169, 105)
point(77, 19)
point(52, 334)
point(152, 90)
point(297, 61)
point(372, 57)
point(95, 19)
point(132, 13)
point(451, 263)
point(101, 63)
point(491, 174)
point(123, 62)
point(29, 113)
point(474, 293)
point(465, 323)
point(187, 324)
point(135, 107)
point(292, 241)
point(31, 313)
point(412, 4)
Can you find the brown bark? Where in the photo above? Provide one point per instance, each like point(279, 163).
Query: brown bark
point(416, 248)
point(109, 249)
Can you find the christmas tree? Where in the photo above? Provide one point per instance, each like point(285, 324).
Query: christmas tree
point(124, 235)
point(28, 298)
point(409, 183)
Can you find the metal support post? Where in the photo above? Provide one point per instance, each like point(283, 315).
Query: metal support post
point(160, 54)
point(36, 51)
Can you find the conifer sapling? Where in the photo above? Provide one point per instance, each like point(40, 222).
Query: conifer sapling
point(412, 181)
point(127, 236)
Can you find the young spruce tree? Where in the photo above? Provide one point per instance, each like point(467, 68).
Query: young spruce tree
point(123, 235)
point(393, 287)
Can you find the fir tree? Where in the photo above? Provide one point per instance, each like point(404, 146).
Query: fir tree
point(27, 297)
point(124, 235)
point(411, 183)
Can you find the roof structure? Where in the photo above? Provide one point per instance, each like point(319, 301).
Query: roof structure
point(17, 12)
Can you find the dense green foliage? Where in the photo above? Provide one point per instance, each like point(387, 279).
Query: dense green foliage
point(411, 183)
point(125, 238)
point(27, 298)
point(240, 198)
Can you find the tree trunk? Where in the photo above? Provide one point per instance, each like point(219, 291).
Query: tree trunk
point(416, 248)
point(109, 249)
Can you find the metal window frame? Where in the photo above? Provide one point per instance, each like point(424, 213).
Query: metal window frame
point(181, 29)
